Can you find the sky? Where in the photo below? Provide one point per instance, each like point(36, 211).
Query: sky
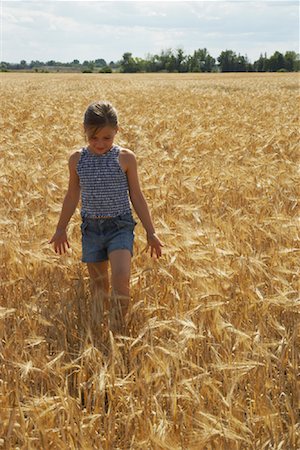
point(89, 30)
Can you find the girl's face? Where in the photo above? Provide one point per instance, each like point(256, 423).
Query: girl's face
point(102, 141)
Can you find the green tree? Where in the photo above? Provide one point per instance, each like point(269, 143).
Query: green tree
point(88, 65)
point(36, 64)
point(100, 62)
point(140, 64)
point(201, 61)
point(291, 61)
point(276, 62)
point(151, 63)
point(128, 64)
point(170, 63)
point(262, 64)
point(167, 60)
point(259, 64)
point(105, 69)
point(4, 66)
point(180, 61)
point(227, 61)
point(240, 64)
point(209, 63)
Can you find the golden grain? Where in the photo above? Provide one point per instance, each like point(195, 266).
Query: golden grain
point(212, 357)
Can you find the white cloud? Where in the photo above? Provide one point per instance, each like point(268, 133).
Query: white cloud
point(65, 30)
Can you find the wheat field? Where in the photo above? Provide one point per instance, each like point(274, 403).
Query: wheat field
point(212, 358)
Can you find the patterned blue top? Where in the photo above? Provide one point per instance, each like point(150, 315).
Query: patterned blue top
point(103, 184)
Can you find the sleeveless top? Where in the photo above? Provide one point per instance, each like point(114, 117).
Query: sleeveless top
point(103, 184)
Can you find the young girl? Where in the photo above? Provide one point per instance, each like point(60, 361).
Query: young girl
point(105, 173)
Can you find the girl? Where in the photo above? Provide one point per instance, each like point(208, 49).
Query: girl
point(104, 173)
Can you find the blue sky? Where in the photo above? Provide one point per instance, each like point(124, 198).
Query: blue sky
point(88, 30)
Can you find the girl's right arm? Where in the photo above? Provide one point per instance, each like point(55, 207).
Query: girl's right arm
point(70, 203)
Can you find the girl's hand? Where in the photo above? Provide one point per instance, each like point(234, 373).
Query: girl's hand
point(155, 244)
point(60, 241)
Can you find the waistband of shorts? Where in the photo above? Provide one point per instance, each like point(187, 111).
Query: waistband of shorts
point(99, 217)
point(95, 217)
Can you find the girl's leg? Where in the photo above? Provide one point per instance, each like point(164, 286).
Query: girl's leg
point(99, 285)
point(120, 261)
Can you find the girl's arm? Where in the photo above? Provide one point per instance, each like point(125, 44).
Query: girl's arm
point(70, 203)
point(139, 203)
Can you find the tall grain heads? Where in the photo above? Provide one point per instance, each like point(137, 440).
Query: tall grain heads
point(211, 357)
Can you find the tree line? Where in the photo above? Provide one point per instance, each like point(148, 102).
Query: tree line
point(170, 60)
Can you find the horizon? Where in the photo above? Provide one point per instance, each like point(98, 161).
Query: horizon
point(134, 56)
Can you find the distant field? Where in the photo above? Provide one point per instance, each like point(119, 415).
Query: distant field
point(213, 355)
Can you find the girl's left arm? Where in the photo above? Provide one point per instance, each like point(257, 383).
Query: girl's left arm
point(139, 203)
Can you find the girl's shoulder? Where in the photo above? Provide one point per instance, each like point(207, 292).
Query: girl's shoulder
point(127, 158)
point(125, 151)
point(75, 154)
point(74, 157)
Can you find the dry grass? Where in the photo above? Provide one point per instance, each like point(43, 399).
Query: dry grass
point(212, 359)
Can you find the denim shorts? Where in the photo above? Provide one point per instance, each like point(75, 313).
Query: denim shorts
point(100, 236)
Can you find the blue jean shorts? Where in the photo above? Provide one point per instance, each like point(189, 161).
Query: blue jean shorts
point(100, 236)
